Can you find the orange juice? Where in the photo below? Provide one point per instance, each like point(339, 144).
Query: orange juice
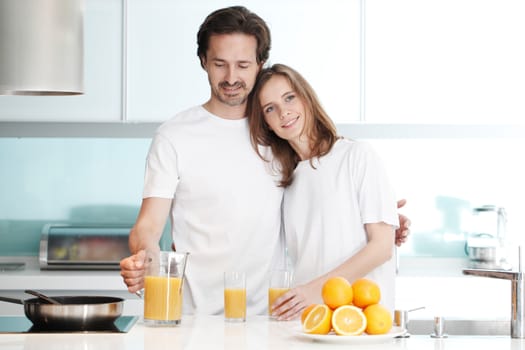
point(273, 294)
point(162, 298)
point(234, 303)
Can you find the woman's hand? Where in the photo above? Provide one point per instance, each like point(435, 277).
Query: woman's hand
point(291, 304)
point(404, 225)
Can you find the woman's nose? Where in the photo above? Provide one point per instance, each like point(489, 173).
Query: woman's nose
point(284, 114)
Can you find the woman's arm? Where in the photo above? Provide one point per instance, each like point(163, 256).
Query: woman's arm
point(377, 251)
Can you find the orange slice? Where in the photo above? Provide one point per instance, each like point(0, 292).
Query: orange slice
point(348, 320)
point(318, 320)
point(306, 312)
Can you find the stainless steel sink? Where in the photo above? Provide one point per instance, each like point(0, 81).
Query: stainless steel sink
point(462, 327)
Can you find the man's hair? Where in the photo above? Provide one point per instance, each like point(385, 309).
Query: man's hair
point(234, 19)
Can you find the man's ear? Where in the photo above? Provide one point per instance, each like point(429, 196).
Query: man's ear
point(203, 62)
point(261, 66)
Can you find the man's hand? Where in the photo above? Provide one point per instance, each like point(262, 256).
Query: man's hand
point(404, 225)
point(132, 270)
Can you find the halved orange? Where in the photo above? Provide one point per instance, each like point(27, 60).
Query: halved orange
point(319, 320)
point(348, 320)
point(306, 311)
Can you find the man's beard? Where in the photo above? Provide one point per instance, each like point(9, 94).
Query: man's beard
point(232, 100)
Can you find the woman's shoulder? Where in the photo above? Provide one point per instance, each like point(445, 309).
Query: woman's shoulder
point(351, 146)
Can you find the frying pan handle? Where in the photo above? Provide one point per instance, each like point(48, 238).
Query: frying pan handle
point(12, 300)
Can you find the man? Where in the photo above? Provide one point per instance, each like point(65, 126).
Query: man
point(223, 200)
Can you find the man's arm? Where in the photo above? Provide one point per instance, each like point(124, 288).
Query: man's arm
point(145, 235)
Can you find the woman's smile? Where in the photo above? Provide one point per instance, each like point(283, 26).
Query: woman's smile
point(290, 123)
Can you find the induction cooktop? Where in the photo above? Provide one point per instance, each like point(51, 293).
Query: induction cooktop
point(21, 324)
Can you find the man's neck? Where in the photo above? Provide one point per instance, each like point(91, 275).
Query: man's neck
point(225, 111)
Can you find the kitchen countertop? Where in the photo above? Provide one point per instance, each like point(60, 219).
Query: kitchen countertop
point(435, 283)
point(211, 332)
point(57, 279)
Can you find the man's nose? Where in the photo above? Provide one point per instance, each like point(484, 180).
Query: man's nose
point(231, 76)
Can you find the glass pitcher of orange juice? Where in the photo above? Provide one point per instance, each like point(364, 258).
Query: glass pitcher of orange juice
point(163, 288)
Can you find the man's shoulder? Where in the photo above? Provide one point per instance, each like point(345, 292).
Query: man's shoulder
point(187, 115)
point(183, 119)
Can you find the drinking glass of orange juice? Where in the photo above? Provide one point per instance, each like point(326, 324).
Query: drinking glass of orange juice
point(280, 283)
point(163, 288)
point(235, 296)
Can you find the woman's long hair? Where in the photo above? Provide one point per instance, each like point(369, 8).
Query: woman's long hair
point(318, 128)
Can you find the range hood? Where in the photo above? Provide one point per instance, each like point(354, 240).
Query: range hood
point(41, 47)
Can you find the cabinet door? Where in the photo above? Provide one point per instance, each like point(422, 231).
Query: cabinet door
point(445, 62)
point(101, 100)
point(164, 74)
point(320, 39)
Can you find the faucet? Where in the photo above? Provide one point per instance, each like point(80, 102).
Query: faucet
point(517, 318)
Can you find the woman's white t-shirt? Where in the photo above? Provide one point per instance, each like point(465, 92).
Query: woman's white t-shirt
point(325, 209)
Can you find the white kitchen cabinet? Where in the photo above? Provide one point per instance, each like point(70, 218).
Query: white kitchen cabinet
point(445, 62)
point(376, 61)
point(102, 76)
point(165, 76)
point(158, 74)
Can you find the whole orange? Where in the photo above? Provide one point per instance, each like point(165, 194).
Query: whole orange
point(306, 311)
point(337, 291)
point(378, 319)
point(366, 292)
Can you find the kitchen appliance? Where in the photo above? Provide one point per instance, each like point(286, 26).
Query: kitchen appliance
point(83, 247)
point(21, 324)
point(485, 245)
point(76, 313)
point(42, 50)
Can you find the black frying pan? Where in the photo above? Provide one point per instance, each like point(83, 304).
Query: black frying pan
point(78, 313)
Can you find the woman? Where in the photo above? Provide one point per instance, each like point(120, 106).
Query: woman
point(339, 211)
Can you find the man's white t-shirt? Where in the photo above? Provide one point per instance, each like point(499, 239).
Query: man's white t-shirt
point(325, 209)
point(226, 209)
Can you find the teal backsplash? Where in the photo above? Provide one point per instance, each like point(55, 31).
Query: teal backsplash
point(66, 180)
point(100, 181)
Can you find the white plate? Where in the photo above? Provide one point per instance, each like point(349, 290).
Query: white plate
point(354, 339)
